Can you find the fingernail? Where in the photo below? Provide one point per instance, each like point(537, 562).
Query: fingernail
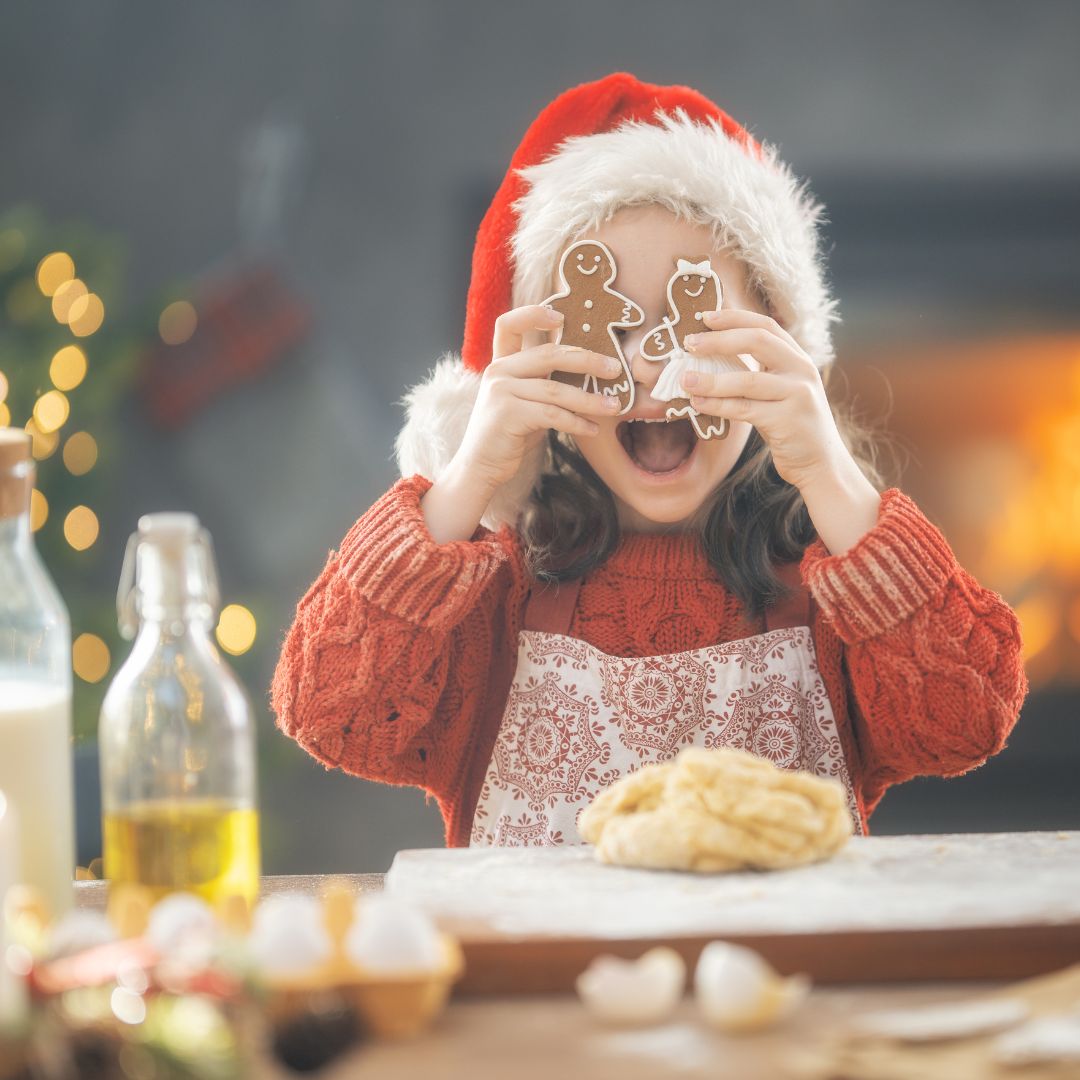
point(555, 316)
point(691, 340)
point(690, 379)
point(612, 403)
point(710, 314)
point(612, 364)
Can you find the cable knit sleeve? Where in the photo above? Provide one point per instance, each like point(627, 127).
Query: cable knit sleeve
point(393, 615)
point(933, 658)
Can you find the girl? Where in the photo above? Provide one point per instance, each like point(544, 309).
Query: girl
point(556, 593)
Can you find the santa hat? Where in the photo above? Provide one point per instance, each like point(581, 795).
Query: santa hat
point(596, 148)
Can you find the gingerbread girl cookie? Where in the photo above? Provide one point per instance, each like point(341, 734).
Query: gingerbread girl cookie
point(692, 290)
point(593, 311)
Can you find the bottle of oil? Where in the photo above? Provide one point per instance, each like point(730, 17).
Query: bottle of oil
point(177, 731)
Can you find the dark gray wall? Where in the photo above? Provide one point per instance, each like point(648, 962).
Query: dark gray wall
point(136, 117)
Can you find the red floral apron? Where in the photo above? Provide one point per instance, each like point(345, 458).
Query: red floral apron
point(577, 719)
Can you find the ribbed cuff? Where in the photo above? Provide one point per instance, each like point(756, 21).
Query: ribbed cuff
point(391, 558)
point(891, 572)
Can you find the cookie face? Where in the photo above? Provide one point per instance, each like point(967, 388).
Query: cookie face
point(593, 313)
point(692, 294)
point(692, 290)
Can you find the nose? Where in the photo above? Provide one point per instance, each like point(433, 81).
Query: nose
point(645, 372)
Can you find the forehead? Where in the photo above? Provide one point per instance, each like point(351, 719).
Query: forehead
point(646, 241)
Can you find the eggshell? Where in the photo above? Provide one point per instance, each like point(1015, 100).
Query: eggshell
point(642, 991)
point(738, 991)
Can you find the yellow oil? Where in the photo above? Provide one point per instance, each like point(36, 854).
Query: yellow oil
point(204, 846)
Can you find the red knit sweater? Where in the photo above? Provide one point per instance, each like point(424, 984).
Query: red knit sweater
point(398, 664)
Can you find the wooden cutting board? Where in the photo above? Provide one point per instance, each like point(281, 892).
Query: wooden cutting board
point(895, 908)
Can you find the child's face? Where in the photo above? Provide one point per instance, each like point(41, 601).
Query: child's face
point(646, 241)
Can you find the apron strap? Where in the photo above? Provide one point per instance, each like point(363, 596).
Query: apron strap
point(792, 609)
point(550, 606)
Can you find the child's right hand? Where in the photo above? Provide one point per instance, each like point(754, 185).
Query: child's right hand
point(518, 402)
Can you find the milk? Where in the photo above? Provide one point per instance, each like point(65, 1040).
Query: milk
point(36, 777)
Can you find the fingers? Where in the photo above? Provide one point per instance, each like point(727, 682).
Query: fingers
point(728, 318)
point(540, 415)
point(571, 398)
point(511, 327)
point(772, 348)
point(733, 408)
point(758, 385)
point(541, 360)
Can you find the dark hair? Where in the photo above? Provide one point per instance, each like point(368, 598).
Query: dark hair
point(754, 520)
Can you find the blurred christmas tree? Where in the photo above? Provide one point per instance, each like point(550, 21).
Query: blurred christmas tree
point(66, 368)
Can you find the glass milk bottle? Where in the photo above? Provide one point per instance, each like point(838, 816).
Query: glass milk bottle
point(35, 690)
point(177, 734)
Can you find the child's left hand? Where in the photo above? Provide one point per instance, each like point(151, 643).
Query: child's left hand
point(785, 401)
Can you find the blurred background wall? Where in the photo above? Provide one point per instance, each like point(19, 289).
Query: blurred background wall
point(274, 204)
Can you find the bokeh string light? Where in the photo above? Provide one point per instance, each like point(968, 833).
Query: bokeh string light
point(177, 322)
point(51, 411)
point(39, 509)
point(43, 443)
point(236, 629)
point(90, 658)
point(68, 367)
point(54, 270)
point(81, 528)
point(80, 453)
point(65, 297)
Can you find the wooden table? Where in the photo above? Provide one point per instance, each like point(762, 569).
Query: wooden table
point(551, 1035)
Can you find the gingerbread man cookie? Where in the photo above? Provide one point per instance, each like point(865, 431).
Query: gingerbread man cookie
point(692, 290)
point(593, 312)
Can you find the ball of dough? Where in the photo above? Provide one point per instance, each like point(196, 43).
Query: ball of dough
point(712, 810)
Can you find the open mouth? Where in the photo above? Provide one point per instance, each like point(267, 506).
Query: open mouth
point(657, 446)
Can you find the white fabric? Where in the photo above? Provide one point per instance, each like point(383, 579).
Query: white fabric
point(669, 385)
point(577, 720)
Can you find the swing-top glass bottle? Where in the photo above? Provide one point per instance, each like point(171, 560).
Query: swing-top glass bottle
point(177, 731)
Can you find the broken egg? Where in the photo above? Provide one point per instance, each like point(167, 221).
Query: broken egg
point(389, 935)
point(642, 991)
point(738, 991)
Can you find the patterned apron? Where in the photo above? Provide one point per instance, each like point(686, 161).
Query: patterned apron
point(577, 719)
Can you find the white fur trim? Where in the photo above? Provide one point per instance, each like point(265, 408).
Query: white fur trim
point(437, 414)
point(755, 207)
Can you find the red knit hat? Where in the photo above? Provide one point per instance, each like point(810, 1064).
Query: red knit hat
point(587, 109)
point(597, 148)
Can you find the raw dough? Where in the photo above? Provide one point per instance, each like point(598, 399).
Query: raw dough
point(712, 810)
